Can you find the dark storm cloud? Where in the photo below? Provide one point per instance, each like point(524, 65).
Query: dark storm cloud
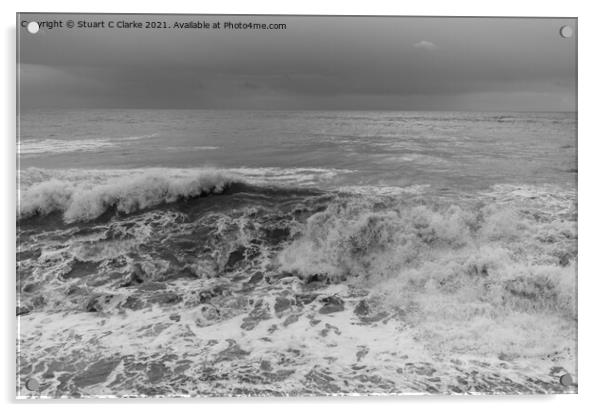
point(316, 63)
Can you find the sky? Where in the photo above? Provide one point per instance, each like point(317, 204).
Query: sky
point(316, 63)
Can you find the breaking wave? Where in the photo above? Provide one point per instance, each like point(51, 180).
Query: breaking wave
point(508, 247)
point(84, 195)
point(517, 255)
point(82, 202)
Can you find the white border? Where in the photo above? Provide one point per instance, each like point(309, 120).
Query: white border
point(590, 199)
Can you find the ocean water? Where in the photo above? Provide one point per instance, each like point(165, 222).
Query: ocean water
point(204, 253)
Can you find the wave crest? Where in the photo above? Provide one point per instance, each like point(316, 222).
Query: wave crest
point(79, 201)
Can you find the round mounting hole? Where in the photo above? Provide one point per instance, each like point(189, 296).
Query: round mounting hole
point(566, 32)
point(566, 380)
point(33, 27)
point(32, 385)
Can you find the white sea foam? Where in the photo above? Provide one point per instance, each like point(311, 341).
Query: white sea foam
point(384, 190)
point(490, 279)
point(296, 176)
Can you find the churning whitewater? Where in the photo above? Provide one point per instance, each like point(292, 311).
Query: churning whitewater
point(316, 278)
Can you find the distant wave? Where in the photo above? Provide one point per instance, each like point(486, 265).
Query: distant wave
point(257, 175)
point(62, 146)
point(40, 146)
point(191, 148)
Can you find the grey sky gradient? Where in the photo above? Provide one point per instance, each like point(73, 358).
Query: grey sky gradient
point(363, 63)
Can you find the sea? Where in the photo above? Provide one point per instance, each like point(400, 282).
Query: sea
point(192, 253)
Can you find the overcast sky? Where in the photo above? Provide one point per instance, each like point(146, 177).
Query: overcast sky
point(359, 63)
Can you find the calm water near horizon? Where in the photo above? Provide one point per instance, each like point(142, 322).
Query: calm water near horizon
point(447, 149)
